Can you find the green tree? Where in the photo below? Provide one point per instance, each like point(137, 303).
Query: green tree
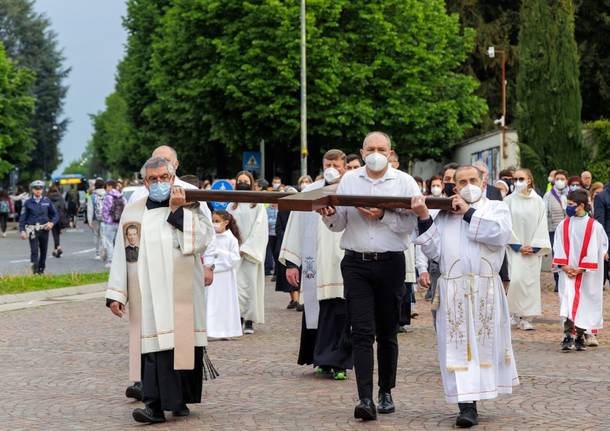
point(548, 92)
point(593, 36)
point(497, 24)
point(112, 143)
point(16, 110)
point(31, 44)
point(225, 74)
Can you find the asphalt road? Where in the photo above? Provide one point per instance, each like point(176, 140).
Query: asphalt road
point(78, 246)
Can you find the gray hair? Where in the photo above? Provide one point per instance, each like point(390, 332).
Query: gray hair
point(157, 162)
point(370, 134)
point(466, 167)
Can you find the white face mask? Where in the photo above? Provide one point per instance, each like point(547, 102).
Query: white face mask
point(520, 186)
point(574, 187)
point(376, 162)
point(331, 175)
point(471, 193)
point(436, 191)
point(276, 186)
point(560, 184)
point(219, 227)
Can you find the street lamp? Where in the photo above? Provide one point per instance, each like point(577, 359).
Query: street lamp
point(303, 91)
point(491, 53)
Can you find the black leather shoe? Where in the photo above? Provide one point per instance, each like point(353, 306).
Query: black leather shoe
point(184, 411)
point(386, 404)
point(148, 416)
point(134, 391)
point(468, 416)
point(365, 410)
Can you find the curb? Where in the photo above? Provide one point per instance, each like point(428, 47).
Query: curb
point(41, 295)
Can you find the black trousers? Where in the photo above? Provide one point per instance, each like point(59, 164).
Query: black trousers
point(164, 388)
point(56, 232)
point(374, 290)
point(405, 305)
point(38, 250)
point(332, 350)
point(3, 221)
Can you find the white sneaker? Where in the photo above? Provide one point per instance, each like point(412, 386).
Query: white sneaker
point(3, 234)
point(98, 257)
point(108, 265)
point(526, 325)
point(514, 320)
point(591, 340)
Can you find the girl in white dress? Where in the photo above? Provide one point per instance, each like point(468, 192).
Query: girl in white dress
point(222, 303)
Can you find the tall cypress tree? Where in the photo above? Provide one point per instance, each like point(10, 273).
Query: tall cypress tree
point(548, 92)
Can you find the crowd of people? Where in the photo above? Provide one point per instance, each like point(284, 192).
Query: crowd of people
point(189, 271)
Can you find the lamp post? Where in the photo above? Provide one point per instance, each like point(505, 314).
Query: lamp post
point(491, 53)
point(304, 151)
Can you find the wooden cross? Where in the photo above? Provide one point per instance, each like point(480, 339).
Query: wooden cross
point(313, 200)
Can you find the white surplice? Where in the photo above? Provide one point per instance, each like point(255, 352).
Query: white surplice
point(472, 321)
point(221, 297)
point(168, 265)
point(254, 232)
point(529, 220)
point(581, 242)
point(308, 244)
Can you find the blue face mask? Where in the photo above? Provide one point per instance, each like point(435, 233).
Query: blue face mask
point(159, 192)
point(571, 210)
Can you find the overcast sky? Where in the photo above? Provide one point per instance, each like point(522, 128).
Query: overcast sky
point(92, 39)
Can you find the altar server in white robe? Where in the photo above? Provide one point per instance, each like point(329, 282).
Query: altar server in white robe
point(309, 245)
point(529, 243)
point(580, 248)
point(156, 270)
point(221, 297)
point(473, 327)
point(251, 220)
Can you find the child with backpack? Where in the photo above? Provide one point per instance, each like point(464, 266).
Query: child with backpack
point(114, 204)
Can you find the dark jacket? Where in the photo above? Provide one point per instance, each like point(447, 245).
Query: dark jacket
point(40, 212)
point(493, 193)
point(602, 208)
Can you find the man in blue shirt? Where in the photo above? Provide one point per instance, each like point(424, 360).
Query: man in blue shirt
point(37, 218)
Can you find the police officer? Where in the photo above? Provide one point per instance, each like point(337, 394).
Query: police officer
point(37, 218)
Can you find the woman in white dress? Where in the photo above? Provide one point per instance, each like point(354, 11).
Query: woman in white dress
point(251, 220)
point(222, 304)
point(529, 243)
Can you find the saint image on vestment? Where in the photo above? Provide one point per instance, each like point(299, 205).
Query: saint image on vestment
point(132, 239)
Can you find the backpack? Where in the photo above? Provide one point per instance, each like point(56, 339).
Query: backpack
point(116, 209)
point(98, 205)
point(4, 208)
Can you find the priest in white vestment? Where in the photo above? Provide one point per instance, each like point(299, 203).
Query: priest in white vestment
point(580, 247)
point(164, 290)
point(528, 245)
point(251, 220)
point(309, 245)
point(473, 327)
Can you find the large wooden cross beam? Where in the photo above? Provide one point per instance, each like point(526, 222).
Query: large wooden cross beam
point(313, 200)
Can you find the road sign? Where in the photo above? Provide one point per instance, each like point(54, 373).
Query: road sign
point(252, 161)
point(221, 185)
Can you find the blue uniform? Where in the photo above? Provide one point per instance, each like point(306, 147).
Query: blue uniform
point(40, 212)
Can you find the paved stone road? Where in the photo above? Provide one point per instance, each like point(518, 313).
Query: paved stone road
point(64, 367)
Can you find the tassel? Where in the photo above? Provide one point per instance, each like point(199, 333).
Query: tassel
point(468, 352)
point(209, 372)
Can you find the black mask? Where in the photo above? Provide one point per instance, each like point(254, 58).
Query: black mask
point(510, 183)
point(448, 189)
point(243, 186)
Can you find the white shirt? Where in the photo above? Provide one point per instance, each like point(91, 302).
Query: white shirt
point(393, 231)
point(210, 251)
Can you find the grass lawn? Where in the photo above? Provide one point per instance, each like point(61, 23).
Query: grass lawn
point(30, 283)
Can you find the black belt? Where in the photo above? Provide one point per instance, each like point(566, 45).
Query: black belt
point(374, 256)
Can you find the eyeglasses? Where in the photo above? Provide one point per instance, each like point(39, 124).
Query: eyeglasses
point(161, 178)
